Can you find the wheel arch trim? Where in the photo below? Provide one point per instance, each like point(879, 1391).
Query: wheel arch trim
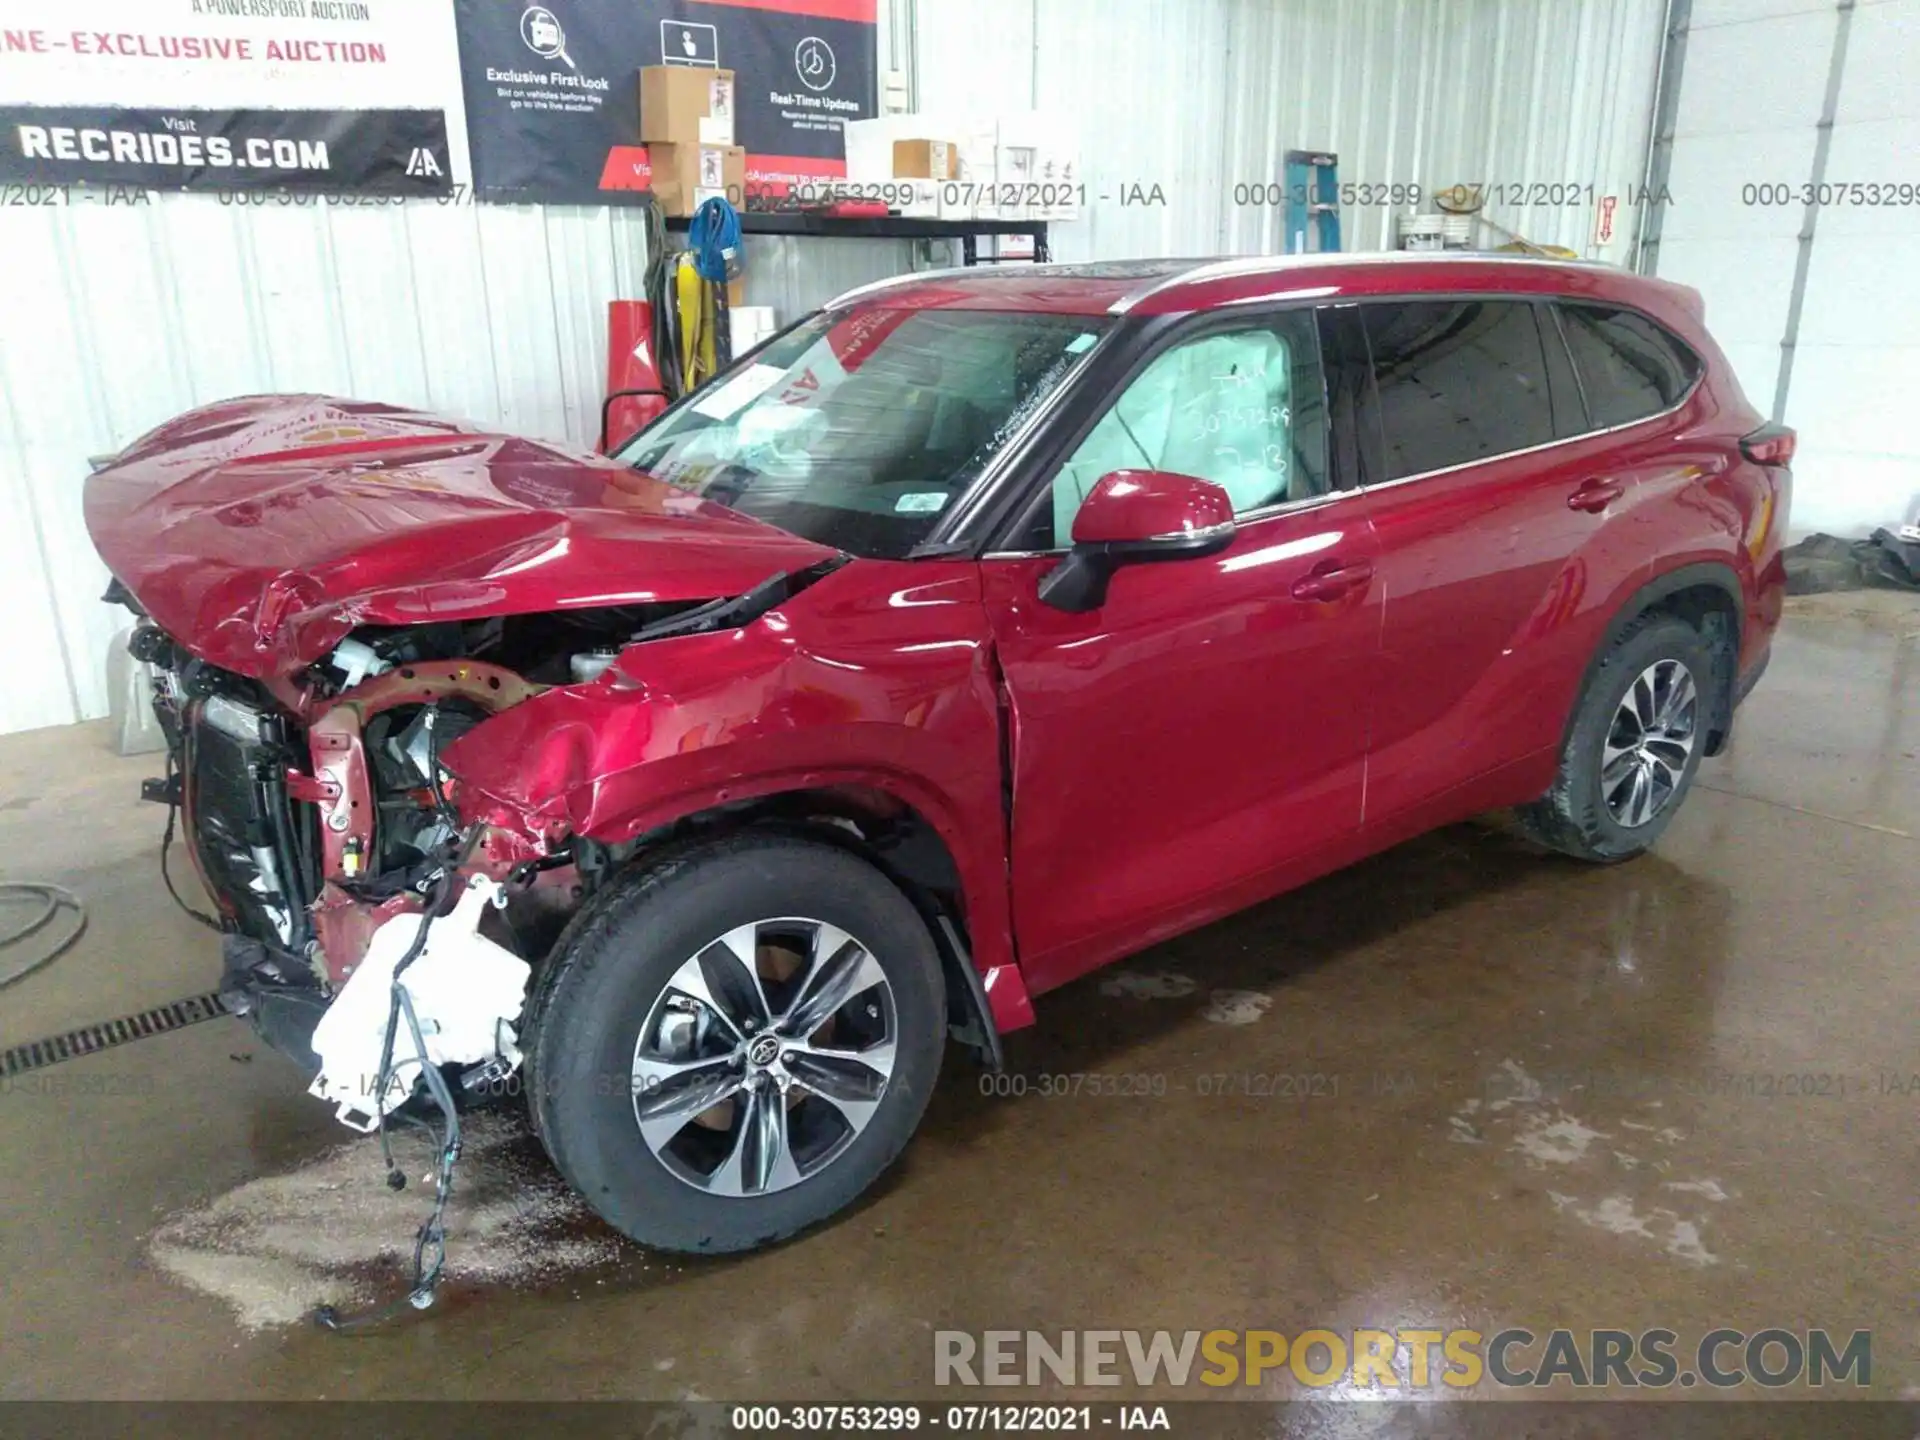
point(979, 963)
point(1654, 595)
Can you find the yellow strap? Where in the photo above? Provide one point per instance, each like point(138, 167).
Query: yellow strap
point(694, 298)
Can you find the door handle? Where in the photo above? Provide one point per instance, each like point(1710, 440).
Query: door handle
point(1330, 579)
point(1595, 496)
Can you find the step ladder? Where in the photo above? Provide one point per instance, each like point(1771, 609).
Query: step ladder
point(1313, 202)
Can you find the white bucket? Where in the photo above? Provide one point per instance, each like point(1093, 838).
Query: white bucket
point(1422, 232)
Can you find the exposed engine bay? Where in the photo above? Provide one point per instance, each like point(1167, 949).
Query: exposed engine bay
point(319, 814)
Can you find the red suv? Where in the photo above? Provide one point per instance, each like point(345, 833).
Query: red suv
point(974, 632)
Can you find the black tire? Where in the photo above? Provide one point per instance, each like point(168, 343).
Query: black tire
point(616, 960)
point(1573, 816)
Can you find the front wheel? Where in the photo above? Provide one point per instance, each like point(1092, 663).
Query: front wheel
point(735, 1042)
point(1634, 746)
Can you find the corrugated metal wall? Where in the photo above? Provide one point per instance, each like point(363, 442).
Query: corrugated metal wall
point(1198, 96)
point(1739, 229)
point(113, 319)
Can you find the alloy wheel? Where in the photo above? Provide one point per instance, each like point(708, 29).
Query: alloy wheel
point(1649, 743)
point(764, 1057)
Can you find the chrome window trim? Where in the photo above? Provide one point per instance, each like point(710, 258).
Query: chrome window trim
point(1282, 264)
point(1292, 506)
point(1672, 409)
point(1552, 301)
point(1205, 532)
point(1557, 303)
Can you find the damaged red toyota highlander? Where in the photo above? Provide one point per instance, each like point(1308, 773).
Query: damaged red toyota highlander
point(977, 631)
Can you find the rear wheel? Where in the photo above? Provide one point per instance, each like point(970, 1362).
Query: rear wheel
point(1634, 747)
point(735, 1042)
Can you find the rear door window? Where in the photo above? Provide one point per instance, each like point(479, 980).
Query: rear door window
point(1457, 381)
point(1629, 367)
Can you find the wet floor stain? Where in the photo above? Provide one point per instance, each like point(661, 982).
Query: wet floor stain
point(1677, 1235)
point(1236, 1007)
point(1148, 985)
point(332, 1233)
point(1640, 1204)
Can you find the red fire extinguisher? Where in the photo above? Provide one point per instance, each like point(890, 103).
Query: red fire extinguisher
point(634, 394)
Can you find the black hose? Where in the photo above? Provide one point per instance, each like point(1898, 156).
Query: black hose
point(432, 1235)
point(657, 288)
point(166, 844)
point(53, 898)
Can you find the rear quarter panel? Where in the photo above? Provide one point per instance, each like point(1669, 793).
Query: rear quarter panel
point(1732, 510)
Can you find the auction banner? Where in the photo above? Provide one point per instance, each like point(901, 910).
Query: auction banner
point(553, 89)
point(340, 96)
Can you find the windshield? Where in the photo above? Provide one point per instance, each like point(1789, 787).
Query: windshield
point(858, 429)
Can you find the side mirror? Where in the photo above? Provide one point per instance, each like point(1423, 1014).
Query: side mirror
point(1133, 516)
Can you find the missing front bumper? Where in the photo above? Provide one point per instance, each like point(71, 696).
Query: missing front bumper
point(284, 1013)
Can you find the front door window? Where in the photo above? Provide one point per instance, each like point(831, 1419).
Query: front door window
point(1244, 408)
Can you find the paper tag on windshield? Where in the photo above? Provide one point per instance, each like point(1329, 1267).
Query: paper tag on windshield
point(923, 502)
point(749, 385)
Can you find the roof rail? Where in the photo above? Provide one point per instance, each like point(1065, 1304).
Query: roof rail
point(1206, 270)
point(893, 282)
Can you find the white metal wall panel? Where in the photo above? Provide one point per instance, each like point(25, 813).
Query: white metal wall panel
point(1740, 256)
point(1751, 97)
point(1857, 365)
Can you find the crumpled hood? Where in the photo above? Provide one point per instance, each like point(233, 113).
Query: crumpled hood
point(258, 532)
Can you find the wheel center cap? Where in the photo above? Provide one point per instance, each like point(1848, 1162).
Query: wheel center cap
point(764, 1050)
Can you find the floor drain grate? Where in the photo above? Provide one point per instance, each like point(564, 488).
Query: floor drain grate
point(89, 1039)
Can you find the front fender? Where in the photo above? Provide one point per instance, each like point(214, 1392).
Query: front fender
point(879, 676)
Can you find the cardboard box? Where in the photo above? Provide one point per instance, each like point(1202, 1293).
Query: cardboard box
point(686, 105)
point(685, 176)
point(926, 160)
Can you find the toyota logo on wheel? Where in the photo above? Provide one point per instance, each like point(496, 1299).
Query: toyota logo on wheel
point(764, 1050)
point(813, 59)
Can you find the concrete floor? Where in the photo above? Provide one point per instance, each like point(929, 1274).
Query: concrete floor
point(169, 1205)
